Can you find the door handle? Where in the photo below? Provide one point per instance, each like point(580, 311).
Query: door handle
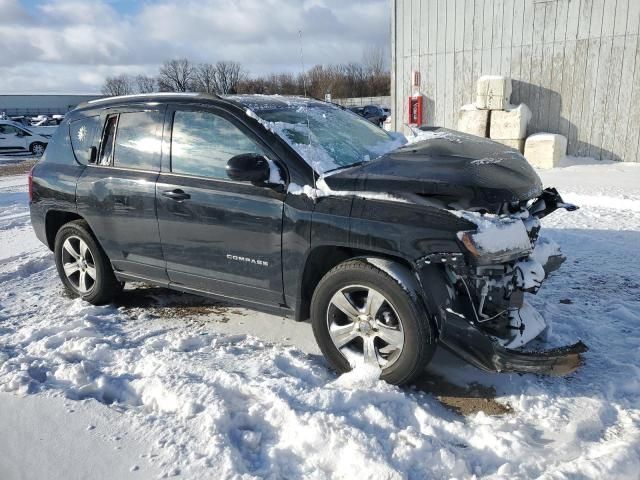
point(176, 194)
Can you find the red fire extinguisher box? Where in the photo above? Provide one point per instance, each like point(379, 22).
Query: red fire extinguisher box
point(415, 110)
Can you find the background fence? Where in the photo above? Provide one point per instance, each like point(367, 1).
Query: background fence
point(361, 101)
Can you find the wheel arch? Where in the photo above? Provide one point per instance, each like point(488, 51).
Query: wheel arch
point(37, 142)
point(54, 220)
point(323, 258)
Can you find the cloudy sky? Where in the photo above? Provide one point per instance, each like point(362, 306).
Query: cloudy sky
point(72, 45)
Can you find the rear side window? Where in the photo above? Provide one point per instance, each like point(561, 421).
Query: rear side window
point(82, 132)
point(138, 142)
point(59, 147)
point(202, 143)
point(106, 147)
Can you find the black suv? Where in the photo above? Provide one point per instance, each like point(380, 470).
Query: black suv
point(372, 113)
point(303, 209)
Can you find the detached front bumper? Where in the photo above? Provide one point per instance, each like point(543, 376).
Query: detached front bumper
point(470, 343)
point(485, 317)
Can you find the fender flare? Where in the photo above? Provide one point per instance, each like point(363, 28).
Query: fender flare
point(407, 279)
point(412, 280)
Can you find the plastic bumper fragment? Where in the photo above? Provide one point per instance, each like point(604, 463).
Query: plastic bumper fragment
point(476, 347)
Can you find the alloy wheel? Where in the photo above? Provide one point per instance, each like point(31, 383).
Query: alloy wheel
point(78, 264)
point(38, 149)
point(364, 326)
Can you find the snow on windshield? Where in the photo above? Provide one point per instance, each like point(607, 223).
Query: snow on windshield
point(326, 136)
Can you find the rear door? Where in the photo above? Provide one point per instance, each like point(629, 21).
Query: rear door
point(218, 235)
point(116, 195)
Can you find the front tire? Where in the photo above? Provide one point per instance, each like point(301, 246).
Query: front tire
point(82, 265)
point(361, 314)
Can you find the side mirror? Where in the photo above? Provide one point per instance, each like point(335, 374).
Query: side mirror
point(248, 167)
point(19, 134)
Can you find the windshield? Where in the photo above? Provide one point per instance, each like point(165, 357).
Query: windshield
point(328, 137)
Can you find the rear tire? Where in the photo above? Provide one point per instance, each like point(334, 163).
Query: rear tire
point(37, 148)
point(82, 265)
point(395, 318)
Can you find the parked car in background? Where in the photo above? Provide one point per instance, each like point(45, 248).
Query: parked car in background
point(299, 208)
point(22, 120)
point(44, 121)
point(14, 137)
point(373, 113)
point(45, 125)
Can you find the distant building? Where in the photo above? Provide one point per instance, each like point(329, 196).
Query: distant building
point(42, 104)
point(576, 64)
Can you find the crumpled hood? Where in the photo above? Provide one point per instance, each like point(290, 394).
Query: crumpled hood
point(447, 165)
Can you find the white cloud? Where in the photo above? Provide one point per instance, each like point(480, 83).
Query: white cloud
point(75, 44)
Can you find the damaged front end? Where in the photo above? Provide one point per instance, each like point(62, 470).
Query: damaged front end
point(486, 317)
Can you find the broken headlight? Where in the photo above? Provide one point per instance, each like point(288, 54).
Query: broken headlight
point(497, 243)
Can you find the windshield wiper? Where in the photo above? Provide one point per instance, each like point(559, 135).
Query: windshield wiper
point(348, 166)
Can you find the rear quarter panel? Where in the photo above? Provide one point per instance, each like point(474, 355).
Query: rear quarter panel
point(54, 181)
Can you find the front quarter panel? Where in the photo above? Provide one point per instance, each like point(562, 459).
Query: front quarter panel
point(402, 229)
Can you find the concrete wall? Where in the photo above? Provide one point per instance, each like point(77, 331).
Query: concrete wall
point(575, 63)
point(45, 104)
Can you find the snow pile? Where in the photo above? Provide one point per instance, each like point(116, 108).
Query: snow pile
point(213, 403)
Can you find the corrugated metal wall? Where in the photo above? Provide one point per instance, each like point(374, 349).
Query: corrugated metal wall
point(575, 63)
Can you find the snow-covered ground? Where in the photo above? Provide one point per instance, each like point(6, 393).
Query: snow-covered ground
point(143, 389)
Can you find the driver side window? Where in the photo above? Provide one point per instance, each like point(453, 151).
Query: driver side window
point(202, 143)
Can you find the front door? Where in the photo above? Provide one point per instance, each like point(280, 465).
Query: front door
point(218, 235)
point(116, 195)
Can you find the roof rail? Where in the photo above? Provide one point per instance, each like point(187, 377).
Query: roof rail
point(149, 96)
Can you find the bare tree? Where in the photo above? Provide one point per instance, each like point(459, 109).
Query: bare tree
point(255, 85)
point(145, 84)
point(322, 80)
point(373, 59)
point(117, 85)
point(205, 78)
point(228, 76)
point(176, 75)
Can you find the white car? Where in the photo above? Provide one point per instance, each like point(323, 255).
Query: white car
point(16, 138)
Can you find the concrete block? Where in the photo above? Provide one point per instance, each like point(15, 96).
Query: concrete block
point(492, 102)
point(545, 150)
point(510, 123)
point(518, 144)
point(493, 92)
point(473, 121)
